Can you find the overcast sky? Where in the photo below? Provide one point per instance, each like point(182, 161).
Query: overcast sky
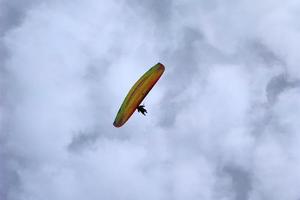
point(222, 123)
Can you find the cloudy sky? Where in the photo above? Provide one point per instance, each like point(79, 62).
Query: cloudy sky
point(222, 123)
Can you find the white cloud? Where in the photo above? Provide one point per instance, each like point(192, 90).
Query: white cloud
point(222, 122)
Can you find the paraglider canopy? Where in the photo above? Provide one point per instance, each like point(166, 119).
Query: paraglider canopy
point(137, 93)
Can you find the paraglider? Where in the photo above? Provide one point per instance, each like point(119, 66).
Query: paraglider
point(137, 94)
point(141, 108)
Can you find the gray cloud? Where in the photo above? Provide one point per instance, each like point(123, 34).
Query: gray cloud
point(279, 84)
point(241, 182)
point(12, 14)
point(222, 122)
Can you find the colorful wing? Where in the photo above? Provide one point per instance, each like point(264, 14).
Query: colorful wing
point(137, 93)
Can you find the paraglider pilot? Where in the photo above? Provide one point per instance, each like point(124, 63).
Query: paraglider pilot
point(141, 108)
